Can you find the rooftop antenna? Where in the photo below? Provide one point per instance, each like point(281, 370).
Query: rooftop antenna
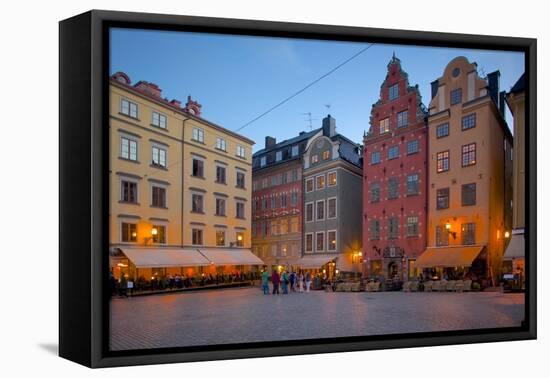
point(309, 120)
point(482, 69)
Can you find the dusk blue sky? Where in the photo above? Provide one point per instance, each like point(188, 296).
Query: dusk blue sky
point(237, 78)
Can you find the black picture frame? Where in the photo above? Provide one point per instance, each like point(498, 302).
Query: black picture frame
point(83, 163)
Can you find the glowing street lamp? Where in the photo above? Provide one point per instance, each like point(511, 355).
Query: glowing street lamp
point(507, 234)
point(448, 228)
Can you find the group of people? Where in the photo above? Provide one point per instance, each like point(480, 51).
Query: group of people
point(286, 282)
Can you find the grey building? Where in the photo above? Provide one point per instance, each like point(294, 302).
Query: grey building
point(332, 178)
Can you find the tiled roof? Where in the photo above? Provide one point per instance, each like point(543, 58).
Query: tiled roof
point(519, 86)
point(288, 142)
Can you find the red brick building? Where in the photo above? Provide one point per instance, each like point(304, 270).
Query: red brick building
point(395, 179)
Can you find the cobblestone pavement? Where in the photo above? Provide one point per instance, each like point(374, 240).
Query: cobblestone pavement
point(246, 315)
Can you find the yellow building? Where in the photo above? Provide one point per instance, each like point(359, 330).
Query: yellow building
point(515, 253)
point(469, 162)
point(180, 187)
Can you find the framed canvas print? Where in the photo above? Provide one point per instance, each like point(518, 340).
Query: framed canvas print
point(234, 188)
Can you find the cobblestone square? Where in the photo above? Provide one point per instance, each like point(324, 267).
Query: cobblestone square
point(246, 315)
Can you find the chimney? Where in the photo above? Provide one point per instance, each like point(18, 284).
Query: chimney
point(435, 86)
point(270, 142)
point(176, 103)
point(494, 86)
point(329, 126)
point(149, 88)
point(502, 104)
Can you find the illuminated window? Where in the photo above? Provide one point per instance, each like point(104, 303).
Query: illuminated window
point(331, 178)
point(240, 239)
point(220, 238)
point(331, 240)
point(320, 182)
point(468, 154)
point(160, 236)
point(442, 161)
point(384, 125)
point(314, 159)
point(129, 232)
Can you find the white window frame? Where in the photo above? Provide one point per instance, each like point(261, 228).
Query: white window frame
point(324, 182)
point(197, 135)
point(335, 208)
point(241, 151)
point(194, 227)
point(160, 150)
point(221, 143)
point(130, 141)
point(132, 180)
point(324, 240)
point(295, 150)
point(157, 185)
point(160, 116)
point(130, 103)
point(305, 242)
point(312, 186)
point(120, 230)
point(324, 210)
point(312, 212)
point(328, 179)
point(335, 241)
point(384, 125)
point(161, 224)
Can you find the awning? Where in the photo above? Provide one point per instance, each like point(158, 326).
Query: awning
point(313, 262)
point(230, 256)
point(516, 247)
point(448, 257)
point(164, 257)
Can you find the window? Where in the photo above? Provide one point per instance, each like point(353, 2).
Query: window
point(198, 135)
point(241, 152)
point(240, 180)
point(331, 178)
point(469, 194)
point(262, 161)
point(413, 186)
point(331, 208)
point(159, 156)
point(393, 227)
point(309, 242)
point(198, 168)
point(295, 150)
point(393, 152)
point(278, 155)
point(326, 155)
point(374, 192)
point(320, 182)
point(402, 118)
point(441, 236)
point(220, 174)
point(284, 177)
point(456, 96)
point(196, 236)
point(393, 92)
point(221, 144)
point(393, 188)
point(412, 226)
point(309, 185)
point(442, 130)
point(220, 238)
point(442, 161)
point(128, 149)
point(129, 232)
point(442, 198)
point(158, 196)
point(320, 210)
point(468, 233)
point(294, 175)
point(384, 125)
point(374, 229)
point(197, 203)
point(319, 241)
point(128, 191)
point(314, 159)
point(331, 240)
point(128, 108)
point(293, 198)
point(160, 236)
point(240, 239)
point(158, 120)
point(283, 200)
point(295, 224)
point(375, 157)
point(412, 147)
point(274, 180)
point(220, 207)
point(469, 121)
point(240, 210)
point(468, 154)
point(309, 212)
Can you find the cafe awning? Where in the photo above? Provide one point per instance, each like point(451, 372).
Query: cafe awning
point(164, 257)
point(230, 256)
point(448, 257)
point(313, 262)
point(516, 248)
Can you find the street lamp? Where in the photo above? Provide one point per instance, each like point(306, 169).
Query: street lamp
point(448, 228)
point(507, 234)
point(154, 232)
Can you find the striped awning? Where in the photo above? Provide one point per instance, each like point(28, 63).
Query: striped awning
point(448, 257)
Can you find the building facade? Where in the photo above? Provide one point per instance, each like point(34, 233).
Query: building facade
point(469, 159)
point(180, 186)
point(277, 201)
point(395, 179)
point(515, 252)
point(332, 196)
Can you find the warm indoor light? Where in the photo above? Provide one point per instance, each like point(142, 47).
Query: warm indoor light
point(447, 226)
point(240, 237)
point(506, 234)
point(134, 234)
point(360, 253)
point(337, 271)
point(154, 231)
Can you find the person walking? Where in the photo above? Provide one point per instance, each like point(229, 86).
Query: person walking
point(265, 282)
point(275, 280)
point(301, 282)
point(308, 281)
point(284, 282)
point(292, 279)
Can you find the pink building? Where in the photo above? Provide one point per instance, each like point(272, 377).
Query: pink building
point(395, 179)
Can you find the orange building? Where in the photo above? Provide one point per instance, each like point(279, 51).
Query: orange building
point(469, 176)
